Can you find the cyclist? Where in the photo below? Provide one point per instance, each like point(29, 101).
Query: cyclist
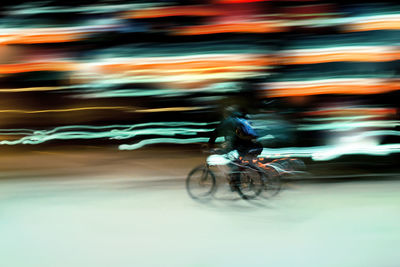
point(239, 136)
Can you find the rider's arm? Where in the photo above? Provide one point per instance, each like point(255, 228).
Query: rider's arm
point(219, 131)
point(225, 128)
point(213, 137)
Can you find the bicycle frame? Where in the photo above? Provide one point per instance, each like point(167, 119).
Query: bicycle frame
point(229, 164)
point(222, 162)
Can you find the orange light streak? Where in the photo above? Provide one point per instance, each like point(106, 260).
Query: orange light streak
point(195, 65)
point(373, 26)
point(240, 27)
point(332, 88)
point(40, 38)
point(37, 66)
point(196, 10)
point(340, 56)
point(145, 65)
point(353, 111)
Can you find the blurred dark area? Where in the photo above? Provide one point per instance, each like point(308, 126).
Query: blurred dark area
point(318, 79)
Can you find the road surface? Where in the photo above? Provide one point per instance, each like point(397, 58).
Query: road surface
point(134, 218)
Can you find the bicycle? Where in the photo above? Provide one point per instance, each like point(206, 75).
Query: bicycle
point(201, 181)
point(277, 170)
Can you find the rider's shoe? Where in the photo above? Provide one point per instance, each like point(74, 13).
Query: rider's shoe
point(233, 187)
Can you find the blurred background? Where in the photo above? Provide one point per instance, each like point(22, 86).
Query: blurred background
point(104, 106)
point(319, 79)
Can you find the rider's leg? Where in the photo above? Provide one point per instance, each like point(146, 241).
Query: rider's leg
point(235, 167)
point(234, 175)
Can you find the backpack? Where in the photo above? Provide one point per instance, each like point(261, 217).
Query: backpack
point(244, 129)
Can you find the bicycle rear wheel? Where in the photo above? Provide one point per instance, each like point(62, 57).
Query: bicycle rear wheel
point(200, 182)
point(251, 182)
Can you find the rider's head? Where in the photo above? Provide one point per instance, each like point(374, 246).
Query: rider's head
point(229, 110)
point(233, 111)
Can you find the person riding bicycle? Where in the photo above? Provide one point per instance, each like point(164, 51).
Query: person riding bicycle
point(238, 135)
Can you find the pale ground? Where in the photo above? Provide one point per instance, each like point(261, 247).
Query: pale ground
point(140, 215)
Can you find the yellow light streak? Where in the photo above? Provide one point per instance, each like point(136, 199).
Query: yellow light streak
point(129, 109)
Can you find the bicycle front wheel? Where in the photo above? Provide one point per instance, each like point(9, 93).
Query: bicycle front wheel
point(200, 182)
point(251, 182)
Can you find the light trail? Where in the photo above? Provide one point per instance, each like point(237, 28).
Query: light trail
point(128, 109)
point(33, 89)
point(169, 11)
point(38, 66)
point(239, 27)
point(87, 9)
point(350, 125)
point(348, 111)
point(38, 138)
point(162, 141)
point(52, 34)
point(352, 53)
point(361, 86)
point(324, 153)
point(169, 109)
point(73, 132)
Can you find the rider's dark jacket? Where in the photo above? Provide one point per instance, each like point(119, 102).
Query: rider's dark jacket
point(228, 129)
